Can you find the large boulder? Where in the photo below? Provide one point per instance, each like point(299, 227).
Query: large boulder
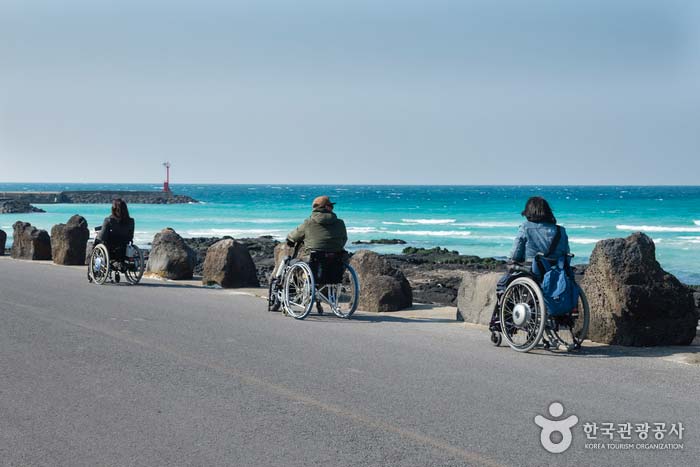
point(3, 239)
point(477, 296)
point(382, 287)
point(28, 242)
point(68, 241)
point(229, 264)
point(170, 257)
point(633, 300)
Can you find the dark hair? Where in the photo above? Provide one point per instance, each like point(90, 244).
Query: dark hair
point(537, 210)
point(119, 210)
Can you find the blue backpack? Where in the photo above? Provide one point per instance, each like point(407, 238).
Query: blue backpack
point(559, 288)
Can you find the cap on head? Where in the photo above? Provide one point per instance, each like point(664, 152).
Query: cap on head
point(321, 202)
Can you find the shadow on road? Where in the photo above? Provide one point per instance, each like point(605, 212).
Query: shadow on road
point(380, 318)
point(691, 352)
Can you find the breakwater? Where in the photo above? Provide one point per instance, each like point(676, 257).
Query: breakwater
point(96, 197)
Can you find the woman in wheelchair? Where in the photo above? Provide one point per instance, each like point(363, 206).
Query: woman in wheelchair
point(117, 230)
point(114, 251)
point(541, 298)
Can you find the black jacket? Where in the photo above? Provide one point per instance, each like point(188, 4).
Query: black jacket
point(116, 234)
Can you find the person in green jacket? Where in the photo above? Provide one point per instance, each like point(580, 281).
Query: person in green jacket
point(322, 231)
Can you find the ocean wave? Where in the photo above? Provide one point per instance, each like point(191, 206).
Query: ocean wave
point(656, 228)
point(487, 225)
point(430, 233)
point(429, 221)
point(696, 222)
point(361, 230)
point(693, 240)
point(233, 233)
point(493, 237)
point(580, 226)
point(583, 241)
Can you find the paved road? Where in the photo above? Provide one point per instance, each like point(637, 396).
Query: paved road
point(158, 374)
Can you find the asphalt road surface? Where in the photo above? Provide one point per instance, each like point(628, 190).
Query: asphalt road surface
point(161, 374)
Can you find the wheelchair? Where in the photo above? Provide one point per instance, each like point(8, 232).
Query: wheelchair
point(109, 263)
point(520, 315)
point(325, 278)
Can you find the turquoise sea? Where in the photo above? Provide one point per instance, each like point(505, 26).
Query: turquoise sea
point(480, 220)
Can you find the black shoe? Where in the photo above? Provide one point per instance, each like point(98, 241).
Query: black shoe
point(319, 308)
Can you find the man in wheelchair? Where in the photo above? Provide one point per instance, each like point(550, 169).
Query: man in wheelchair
point(324, 237)
point(117, 232)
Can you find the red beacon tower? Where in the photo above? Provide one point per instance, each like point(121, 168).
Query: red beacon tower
point(166, 183)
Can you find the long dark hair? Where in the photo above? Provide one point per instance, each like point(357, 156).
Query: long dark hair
point(119, 210)
point(537, 210)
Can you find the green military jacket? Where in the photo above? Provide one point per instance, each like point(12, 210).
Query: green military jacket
point(323, 231)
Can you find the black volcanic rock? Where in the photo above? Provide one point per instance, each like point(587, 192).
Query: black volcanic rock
point(380, 241)
point(633, 301)
point(383, 287)
point(30, 243)
point(68, 241)
point(170, 256)
point(17, 206)
point(261, 250)
point(229, 264)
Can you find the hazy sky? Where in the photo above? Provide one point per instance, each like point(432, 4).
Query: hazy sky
point(433, 91)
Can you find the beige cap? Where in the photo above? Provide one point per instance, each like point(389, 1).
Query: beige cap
point(321, 201)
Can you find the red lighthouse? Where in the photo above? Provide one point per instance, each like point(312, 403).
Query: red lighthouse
point(166, 183)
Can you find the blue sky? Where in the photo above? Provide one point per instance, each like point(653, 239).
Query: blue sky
point(454, 92)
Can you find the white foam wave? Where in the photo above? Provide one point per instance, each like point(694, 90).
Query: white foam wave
point(234, 233)
point(487, 225)
point(688, 239)
point(583, 241)
point(656, 228)
point(493, 237)
point(429, 221)
point(696, 222)
point(580, 226)
point(361, 230)
point(430, 233)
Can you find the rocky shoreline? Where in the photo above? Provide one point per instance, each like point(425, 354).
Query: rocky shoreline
point(96, 197)
point(434, 274)
point(16, 206)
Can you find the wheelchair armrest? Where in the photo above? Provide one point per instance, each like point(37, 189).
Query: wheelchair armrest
point(519, 267)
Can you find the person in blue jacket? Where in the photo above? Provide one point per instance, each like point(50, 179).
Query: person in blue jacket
point(537, 233)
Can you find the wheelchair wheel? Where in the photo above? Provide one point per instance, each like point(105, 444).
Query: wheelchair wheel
point(571, 330)
point(345, 296)
point(299, 290)
point(273, 299)
point(523, 314)
point(98, 267)
point(134, 265)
